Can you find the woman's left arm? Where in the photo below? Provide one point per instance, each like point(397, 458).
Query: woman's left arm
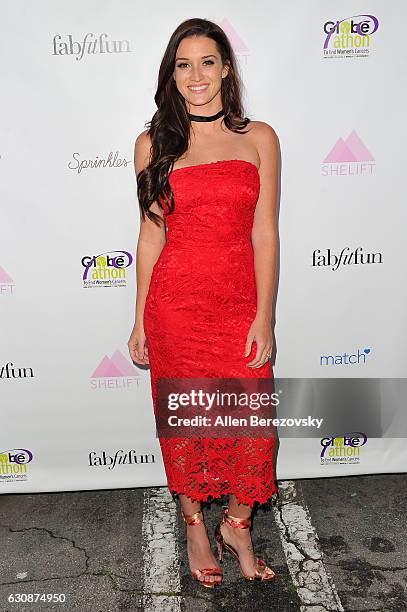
point(264, 241)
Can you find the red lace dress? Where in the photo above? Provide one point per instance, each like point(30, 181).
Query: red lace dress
point(200, 305)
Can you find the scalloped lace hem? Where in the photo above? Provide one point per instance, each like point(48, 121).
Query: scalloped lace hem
point(208, 497)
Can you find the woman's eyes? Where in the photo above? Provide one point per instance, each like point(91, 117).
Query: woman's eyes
point(185, 64)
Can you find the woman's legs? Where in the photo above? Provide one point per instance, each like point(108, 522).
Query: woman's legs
point(199, 549)
point(240, 539)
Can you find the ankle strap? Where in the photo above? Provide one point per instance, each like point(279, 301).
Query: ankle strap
point(234, 521)
point(192, 519)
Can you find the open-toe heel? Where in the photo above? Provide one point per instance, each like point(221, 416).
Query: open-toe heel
point(196, 519)
point(262, 572)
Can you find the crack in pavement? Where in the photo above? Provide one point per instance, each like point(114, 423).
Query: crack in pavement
point(56, 537)
point(160, 551)
point(300, 542)
point(87, 572)
point(364, 565)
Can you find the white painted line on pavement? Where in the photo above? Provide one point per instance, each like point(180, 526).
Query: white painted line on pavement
point(315, 586)
point(160, 552)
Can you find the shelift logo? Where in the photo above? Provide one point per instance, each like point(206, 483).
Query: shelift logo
point(119, 458)
point(9, 371)
point(348, 157)
point(345, 258)
point(114, 372)
point(345, 358)
point(90, 45)
point(237, 42)
point(6, 283)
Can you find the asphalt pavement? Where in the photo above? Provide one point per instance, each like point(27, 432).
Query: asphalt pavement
point(335, 544)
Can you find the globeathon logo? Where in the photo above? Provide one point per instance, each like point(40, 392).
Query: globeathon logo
point(350, 37)
point(343, 449)
point(348, 157)
point(106, 270)
point(13, 464)
point(115, 372)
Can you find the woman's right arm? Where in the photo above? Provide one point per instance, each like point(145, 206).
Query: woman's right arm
point(150, 243)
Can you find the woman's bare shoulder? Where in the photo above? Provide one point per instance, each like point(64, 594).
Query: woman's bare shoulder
point(262, 130)
point(264, 138)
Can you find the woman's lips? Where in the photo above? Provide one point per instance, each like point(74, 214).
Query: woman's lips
point(198, 88)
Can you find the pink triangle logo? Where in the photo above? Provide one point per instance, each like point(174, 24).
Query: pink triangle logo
point(4, 277)
point(235, 40)
point(122, 364)
point(350, 150)
point(115, 367)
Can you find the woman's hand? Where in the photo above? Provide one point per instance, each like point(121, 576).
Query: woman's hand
point(138, 345)
point(259, 332)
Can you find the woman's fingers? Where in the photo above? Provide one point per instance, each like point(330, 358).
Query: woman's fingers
point(266, 355)
point(257, 358)
point(249, 343)
point(138, 350)
point(262, 355)
point(146, 359)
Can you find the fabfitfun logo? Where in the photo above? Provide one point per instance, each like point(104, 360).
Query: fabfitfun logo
point(349, 157)
point(350, 37)
point(345, 358)
point(344, 449)
point(9, 371)
point(106, 269)
point(89, 45)
point(13, 464)
point(114, 372)
point(119, 458)
point(346, 257)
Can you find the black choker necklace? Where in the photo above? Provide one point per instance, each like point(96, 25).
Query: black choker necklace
point(204, 118)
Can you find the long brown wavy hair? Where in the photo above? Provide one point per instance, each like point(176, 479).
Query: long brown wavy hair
point(169, 128)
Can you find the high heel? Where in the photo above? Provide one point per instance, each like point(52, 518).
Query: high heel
point(195, 519)
point(262, 572)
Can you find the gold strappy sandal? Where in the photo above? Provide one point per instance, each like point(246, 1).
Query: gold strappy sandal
point(263, 572)
point(195, 519)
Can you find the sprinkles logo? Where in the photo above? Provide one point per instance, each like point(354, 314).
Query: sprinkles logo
point(350, 37)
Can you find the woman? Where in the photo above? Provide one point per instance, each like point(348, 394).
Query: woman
point(205, 282)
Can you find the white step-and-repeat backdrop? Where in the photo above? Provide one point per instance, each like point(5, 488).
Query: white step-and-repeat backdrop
point(78, 84)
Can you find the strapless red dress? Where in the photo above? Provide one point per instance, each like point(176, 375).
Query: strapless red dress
point(200, 304)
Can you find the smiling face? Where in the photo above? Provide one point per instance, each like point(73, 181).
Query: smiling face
point(198, 74)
